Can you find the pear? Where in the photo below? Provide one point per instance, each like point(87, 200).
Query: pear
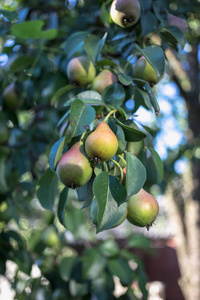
point(11, 98)
point(143, 70)
point(4, 130)
point(102, 80)
point(80, 70)
point(143, 209)
point(74, 168)
point(102, 144)
point(176, 21)
point(125, 13)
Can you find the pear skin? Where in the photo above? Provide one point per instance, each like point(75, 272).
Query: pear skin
point(74, 168)
point(143, 209)
point(80, 70)
point(125, 13)
point(143, 70)
point(102, 80)
point(102, 144)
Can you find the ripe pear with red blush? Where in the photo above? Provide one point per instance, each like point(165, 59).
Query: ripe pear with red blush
point(74, 169)
point(143, 209)
point(102, 144)
point(125, 13)
point(102, 80)
point(176, 21)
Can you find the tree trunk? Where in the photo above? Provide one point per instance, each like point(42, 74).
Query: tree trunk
point(186, 215)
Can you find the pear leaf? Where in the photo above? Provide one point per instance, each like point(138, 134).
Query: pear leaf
point(109, 197)
point(135, 174)
point(56, 152)
point(61, 206)
point(81, 116)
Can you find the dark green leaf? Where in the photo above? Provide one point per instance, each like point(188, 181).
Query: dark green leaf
point(158, 165)
point(85, 193)
point(56, 152)
point(93, 264)
point(121, 140)
point(120, 268)
point(114, 95)
point(65, 267)
point(81, 116)
point(10, 15)
point(131, 134)
point(61, 206)
point(148, 22)
point(74, 43)
point(88, 97)
point(125, 79)
point(135, 174)
point(21, 63)
point(93, 46)
point(47, 189)
point(173, 35)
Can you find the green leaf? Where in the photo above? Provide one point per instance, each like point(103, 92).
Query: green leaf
point(148, 22)
point(32, 30)
point(3, 181)
point(122, 113)
point(61, 206)
point(131, 134)
point(139, 241)
point(21, 63)
point(56, 152)
point(66, 267)
point(120, 268)
point(158, 164)
point(78, 289)
point(109, 195)
point(135, 174)
point(47, 189)
point(93, 46)
point(141, 97)
point(85, 192)
point(81, 116)
point(114, 95)
point(93, 264)
point(173, 35)
point(121, 140)
point(125, 79)
point(10, 15)
point(74, 43)
point(61, 92)
point(155, 56)
point(24, 260)
point(88, 97)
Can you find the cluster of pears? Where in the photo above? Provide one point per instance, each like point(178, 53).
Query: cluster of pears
point(74, 168)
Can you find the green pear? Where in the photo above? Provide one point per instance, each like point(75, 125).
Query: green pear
point(102, 80)
point(50, 237)
point(102, 144)
point(74, 168)
point(11, 98)
point(125, 13)
point(80, 70)
point(143, 70)
point(176, 21)
point(143, 209)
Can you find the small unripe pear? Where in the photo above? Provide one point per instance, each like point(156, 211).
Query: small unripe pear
point(143, 209)
point(11, 97)
point(50, 237)
point(74, 168)
point(102, 80)
point(80, 70)
point(176, 21)
point(125, 13)
point(143, 70)
point(102, 144)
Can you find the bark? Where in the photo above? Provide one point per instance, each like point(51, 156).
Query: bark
point(187, 231)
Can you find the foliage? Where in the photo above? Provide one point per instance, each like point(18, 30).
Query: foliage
point(39, 39)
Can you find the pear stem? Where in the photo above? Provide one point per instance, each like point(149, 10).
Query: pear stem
point(82, 137)
point(120, 168)
point(110, 113)
point(123, 160)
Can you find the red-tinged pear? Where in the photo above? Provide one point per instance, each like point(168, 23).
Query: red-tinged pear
point(74, 169)
point(176, 21)
point(81, 70)
point(102, 80)
point(125, 13)
point(143, 209)
point(102, 144)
